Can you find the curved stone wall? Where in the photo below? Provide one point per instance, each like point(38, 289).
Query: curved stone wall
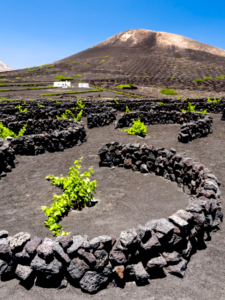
point(43, 136)
point(156, 249)
point(195, 130)
point(157, 117)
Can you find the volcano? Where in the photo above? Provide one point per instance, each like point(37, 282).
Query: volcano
point(146, 42)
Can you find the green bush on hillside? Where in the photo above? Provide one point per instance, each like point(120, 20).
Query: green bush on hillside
point(208, 78)
point(168, 92)
point(199, 80)
point(5, 132)
point(126, 86)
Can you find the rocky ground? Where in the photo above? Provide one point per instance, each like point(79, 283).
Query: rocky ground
point(126, 199)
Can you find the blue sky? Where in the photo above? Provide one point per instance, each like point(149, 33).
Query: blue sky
point(38, 32)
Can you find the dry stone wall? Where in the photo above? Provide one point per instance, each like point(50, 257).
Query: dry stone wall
point(195, 130)
point(157, 117)
point(50, 136)
point(155, 249)
point(102, 119)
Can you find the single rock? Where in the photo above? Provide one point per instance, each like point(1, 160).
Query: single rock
point(178, 221)
point(60, 252)
point(107, 271)
point(22, 257)
point(119, 272)
point(92, 282)
point(183, 214)
point(152, 244)
point(172, 258)
point(94, 243)
point(75, 269)
point(144, 168)
point(52, 268)
point(151, 225)
point(3, 266)
point(4, 247)
point(18, 241)
point(101, 259)
point(32, 245)
point(23, 272)
point(157, 262)
point(78, 241)
point(141, 275)
point(65, 241)
point(88, 257)
point(45, 251)
point(105, 239)
point(179, 269)
point(117, 254)
point(129, 238)
point(3, 234)
point(144, 233)
point(164, 226)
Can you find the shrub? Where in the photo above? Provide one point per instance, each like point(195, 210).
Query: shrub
point(217, 77)
point(214, 101)
point(107, 55)
point(199, 80)
point(191, 108)
point(20, 108)
point(103, 60)
point(40, 105)
point(87, 65)
point(78, 75)
point(127, 110)
point(18, 77)
point(168, 92)
point(115, 102)
point(78, 193)
point(208, 78)
point(62, 78)
point(223, 76)
point(126, 86)
point(5, 132)
point(68, 114)
point(138, 128)
point(78, 118)
point(80, 104)
point(2, 75)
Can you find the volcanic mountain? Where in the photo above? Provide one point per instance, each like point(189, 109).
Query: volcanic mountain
point(4, 67)
point(144, 58)
point(146, 42)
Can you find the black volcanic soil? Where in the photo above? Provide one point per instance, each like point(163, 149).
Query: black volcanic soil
point(126, 199)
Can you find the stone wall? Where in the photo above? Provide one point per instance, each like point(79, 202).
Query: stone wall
point(56, 136)
point(52, 108)
point(7, 157)
point(157, 117)
point(102, 119)
point(158, 248)
point(195, 130)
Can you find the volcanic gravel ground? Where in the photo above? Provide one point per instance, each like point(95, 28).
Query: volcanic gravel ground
point(126, 199)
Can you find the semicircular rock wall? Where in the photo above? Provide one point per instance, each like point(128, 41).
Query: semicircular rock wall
point(155, 249)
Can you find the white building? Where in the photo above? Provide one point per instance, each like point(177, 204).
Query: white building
point(62, 84)
point(83, 85)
